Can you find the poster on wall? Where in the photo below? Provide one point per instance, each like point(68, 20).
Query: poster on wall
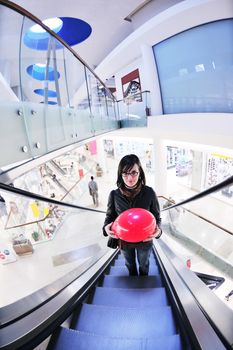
point(219, 168)
point(143, 149)
point(131, 86)
point(108, 148)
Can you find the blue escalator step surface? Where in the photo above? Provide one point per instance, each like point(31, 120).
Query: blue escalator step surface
point(126, 322)
point(124, 297)
point(123, 271)
point(163, 343)
point(68, 339)
point(132, 281)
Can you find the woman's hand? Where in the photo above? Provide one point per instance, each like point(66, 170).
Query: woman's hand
point(109, 232)
point(155, 234)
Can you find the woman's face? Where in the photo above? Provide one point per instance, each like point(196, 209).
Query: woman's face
point(130, 177)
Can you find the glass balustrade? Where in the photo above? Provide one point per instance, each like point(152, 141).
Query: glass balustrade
point(134, 109)
point(200, 238)
point(49, 98)
point(29, 228)
point(41, 243)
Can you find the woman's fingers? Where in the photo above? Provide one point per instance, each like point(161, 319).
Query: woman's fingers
point(109, 231)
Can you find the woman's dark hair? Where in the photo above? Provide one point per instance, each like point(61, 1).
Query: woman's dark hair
point(125, 165)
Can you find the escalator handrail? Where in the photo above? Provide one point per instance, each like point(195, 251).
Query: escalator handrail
point(28, 194)
point(39, 197)
point(29, 331)
point(198, 215)
point(212, 189)
point(217, 314)
point(39, 324)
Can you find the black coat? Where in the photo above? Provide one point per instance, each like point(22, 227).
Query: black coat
point(145, 199)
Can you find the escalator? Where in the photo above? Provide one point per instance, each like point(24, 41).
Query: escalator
point(171, 308)
point(98, 306)
point(60, 169)
point(53, 177)
point(123, 312)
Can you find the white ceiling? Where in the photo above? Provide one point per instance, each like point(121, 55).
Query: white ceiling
point(106, 18)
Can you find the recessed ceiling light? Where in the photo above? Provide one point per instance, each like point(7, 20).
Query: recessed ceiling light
point(54, 24)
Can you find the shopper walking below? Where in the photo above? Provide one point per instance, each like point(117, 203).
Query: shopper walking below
point(93, 190)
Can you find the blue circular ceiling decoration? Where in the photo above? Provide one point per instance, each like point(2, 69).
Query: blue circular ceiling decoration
point(72, 30)
point(38, 72)
point(41, 92)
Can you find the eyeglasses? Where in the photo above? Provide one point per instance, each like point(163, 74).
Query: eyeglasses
point(133, 174)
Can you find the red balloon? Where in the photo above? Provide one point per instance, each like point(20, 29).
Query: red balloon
point(134, 225)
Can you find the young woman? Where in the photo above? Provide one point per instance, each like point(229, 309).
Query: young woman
point(132, 192)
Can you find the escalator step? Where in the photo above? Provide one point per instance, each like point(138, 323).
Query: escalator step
point(132, 281)
point(121, 256)
point(126, 322)
point(67, 339)
point(130, 297)
point(123, 271)
point(163, 343)
point(121, 262)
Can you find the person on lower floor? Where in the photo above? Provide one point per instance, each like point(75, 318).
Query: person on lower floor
point(132, 192)
point(93, 190)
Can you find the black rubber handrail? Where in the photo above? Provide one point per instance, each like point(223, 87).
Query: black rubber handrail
point(9, 188)
point(28, 331)
point(218, 187)
point(186, 285)
point(39, 324)
point(38, 197)
point(195, 214)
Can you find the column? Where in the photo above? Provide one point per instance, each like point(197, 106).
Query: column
point(150, 79)
point(160, 167)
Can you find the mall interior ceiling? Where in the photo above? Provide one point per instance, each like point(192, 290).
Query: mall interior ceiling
point(111, 21)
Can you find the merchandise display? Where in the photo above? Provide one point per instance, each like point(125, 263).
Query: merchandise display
point(30, 222)
point(22, 245)
point(7, 255)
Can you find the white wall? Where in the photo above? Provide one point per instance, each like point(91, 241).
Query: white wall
point(207, 129)
point(175, 19)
